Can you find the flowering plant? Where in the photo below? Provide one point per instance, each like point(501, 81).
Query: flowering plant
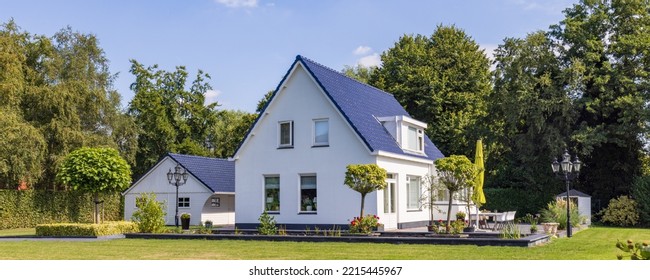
point(364, 224)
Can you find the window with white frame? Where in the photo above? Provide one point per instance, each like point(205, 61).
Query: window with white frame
point(415, 139)
point(308, 189)
point(412, 192)
point(321, 132)
point(285, 134)
point(272, 193)
point(183, 202)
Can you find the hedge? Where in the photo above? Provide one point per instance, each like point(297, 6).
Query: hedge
point(26, 209)
point(522, 201)
point(103, 229)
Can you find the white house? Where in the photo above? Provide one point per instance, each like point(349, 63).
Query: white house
point(293, 160)
point(208, 194)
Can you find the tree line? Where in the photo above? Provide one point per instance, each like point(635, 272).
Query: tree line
point(580, 85)
point(57, 95)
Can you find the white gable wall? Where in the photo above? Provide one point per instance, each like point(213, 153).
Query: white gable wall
point(301, 101)
point(155, 181)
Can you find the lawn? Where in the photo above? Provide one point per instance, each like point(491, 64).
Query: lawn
point(591, 244)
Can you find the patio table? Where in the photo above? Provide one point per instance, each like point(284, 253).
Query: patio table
point(487, 215)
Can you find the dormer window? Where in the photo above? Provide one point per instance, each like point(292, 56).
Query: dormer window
point(415, 139)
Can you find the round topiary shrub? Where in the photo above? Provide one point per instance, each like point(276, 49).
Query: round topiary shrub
point(621, 211)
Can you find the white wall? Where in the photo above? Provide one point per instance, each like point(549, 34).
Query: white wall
point(224, 214)
point(301, 101)
point(156, 181)
point(402, 168)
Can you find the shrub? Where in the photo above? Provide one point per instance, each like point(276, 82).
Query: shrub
point(621, 211)
point(524, 201)
point(641, 194)
point(636, 251)
point(267, 225)
point(150, 216)
point(555, 212)
point(72, 229)
point(365, 224)
point(511, 231)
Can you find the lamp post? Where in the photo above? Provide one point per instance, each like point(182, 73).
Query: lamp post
point(177, 178)
point(569, 171)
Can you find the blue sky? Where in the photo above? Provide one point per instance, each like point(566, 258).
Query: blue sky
point(247, 45)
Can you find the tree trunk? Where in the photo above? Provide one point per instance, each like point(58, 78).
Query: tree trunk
point(96, 202)
point(363, 200)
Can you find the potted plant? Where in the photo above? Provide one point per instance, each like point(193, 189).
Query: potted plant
point(185, 220)
point(460, 216)
point(532, 220)
point(307, 204)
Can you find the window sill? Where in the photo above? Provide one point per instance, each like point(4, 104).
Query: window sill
point(285, 147)
point(273, 212)
point(413, 210)
point(320, 145)
point(307, 213)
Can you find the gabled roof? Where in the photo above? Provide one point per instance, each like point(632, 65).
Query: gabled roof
point(215, 173)
point(360, 105)
point(573, 193)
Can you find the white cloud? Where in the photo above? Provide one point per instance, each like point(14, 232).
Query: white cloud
point(211, 96)
point(362, 50)
point(370, 60)
point(238, 3)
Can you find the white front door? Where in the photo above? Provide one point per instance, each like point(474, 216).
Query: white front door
point(390, 203)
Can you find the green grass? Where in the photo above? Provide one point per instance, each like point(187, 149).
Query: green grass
point(590, 244)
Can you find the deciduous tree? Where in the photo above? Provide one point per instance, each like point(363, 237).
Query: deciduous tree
point(364, 179)
point(96, 171)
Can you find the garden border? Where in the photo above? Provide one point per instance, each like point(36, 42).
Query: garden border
point(479, 239)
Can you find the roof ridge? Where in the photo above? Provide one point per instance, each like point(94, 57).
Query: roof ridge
point(342, 74)
point(184, 155)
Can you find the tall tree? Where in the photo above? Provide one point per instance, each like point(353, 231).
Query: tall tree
point(262, 102)
point(228, 131)
point(62, 87)
point(605, 46)
point(169, 116)
point(530, 115)
point(442, 80)
point(22, 149)
point(359, 72)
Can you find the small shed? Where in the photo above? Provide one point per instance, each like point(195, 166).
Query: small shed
point(582, 200)
point(208, 194)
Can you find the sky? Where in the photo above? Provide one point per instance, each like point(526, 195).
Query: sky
point(247, 46)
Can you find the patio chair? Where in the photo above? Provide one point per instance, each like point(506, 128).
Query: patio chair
point(500, 220)
point(510, 217)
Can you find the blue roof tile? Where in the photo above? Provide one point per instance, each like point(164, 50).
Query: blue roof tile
point(215, 173)
point(361, 105)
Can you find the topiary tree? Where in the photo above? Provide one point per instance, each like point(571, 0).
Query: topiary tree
point(364, 179)
point(150, 216)
point(96, 171)
point(456, 173)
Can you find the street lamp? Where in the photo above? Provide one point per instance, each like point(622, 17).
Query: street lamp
point(175, 178)
point(569, 171)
